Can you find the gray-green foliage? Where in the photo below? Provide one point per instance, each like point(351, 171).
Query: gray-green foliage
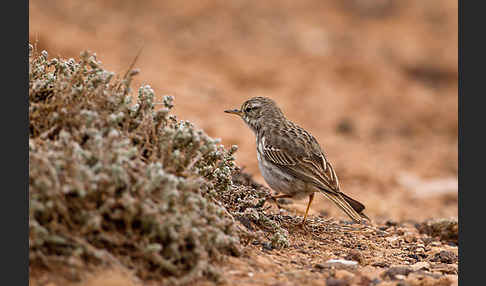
point(119, 180)
point(116, 179)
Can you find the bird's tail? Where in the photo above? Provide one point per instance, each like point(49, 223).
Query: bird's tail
point(357, 206)
point(351, 207)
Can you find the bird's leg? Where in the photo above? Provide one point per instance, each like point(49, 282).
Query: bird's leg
point(282, 196)
point(311, 197)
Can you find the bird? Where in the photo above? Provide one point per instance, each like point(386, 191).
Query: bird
point(291, 160)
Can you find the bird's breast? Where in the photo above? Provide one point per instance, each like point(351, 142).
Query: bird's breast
point(280, 181)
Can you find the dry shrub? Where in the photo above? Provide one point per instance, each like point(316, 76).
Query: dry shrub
point(117, 182)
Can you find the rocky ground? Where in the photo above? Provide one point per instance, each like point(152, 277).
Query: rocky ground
point(327, 252)
point(374, 81)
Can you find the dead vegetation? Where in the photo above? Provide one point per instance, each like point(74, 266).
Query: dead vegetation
point(119, 183)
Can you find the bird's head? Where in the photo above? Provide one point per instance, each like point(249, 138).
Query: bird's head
point(256, 111)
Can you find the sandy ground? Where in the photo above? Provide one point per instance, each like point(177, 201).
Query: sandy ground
point(374, 81)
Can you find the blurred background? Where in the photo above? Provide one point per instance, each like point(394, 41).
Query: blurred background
point(375, 81)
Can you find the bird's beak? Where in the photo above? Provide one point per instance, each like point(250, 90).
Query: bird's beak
point(234, 111)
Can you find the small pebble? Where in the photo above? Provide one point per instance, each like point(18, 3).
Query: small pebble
point(355, 256)
point(343, 274)
point(409, 237)
point(267, 246)
point(420, 265)
point(397, 270)
point(336, 282)
point(445, 256)
point(341, 263)
point(319, 266)
point(400, 277)
point(380, 264)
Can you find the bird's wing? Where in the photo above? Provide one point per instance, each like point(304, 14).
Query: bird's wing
point(305, 160)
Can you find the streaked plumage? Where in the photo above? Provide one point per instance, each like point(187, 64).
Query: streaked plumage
point(290, 158)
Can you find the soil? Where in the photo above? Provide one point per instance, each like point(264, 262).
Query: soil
point(374, 81)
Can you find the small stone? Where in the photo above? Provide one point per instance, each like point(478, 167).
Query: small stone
point(435, 243)
point(267, 246)
point(343, 274)
point(394, 241)
point(381, 233)
point(397, 270)
point(445, 268)
point(400, 231)
point(319, 266)
point(381, 264)
point(245, 221)
point(400, 277)
point(336, 282)
point(341, 263)
point(445, 256)
point(413, 256)
point(409, 237)
point(423, 265)
point(355, 256)
point(391, 223)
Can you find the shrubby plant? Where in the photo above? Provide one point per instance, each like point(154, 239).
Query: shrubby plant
point(109, 177)
point(116, 179)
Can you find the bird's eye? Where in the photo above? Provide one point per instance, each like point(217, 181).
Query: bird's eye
point(248, 109)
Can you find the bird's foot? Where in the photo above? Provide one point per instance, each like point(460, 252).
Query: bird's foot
point(304, 226)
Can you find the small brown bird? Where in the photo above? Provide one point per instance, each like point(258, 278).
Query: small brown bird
point(290, 158)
